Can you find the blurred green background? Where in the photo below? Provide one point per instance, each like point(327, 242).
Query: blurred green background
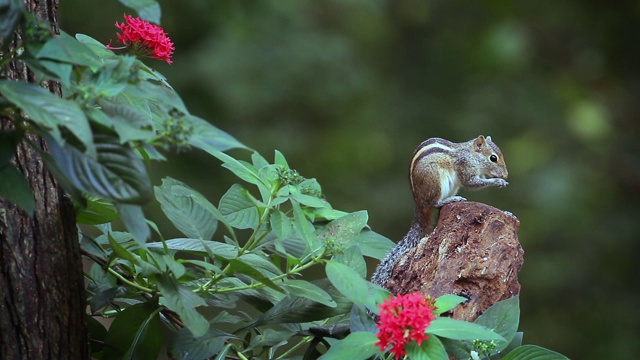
point(348, 89)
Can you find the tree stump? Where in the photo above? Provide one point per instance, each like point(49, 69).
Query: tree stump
point(472, 252)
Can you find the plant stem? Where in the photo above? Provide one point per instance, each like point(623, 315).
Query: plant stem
point(130, 283)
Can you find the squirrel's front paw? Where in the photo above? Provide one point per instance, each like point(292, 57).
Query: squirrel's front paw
point(501, 183)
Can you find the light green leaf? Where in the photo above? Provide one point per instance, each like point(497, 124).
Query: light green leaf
point(191, 217)
point(305, 229)
point(308, 290)
point(97, 211)
point(147, 9)
point(15, 188)
point(238, 209)
point(49, 111)
point(353, 259)
point(133, 219)
point(211, 139)
point(532, 352)
point(136, 333)
point(348, 282)
point(184, 302)
point(281, 224)
point(373, 244)
point(344, 229)
point(430, 349)
point(357, 345)
point(67, 49)
point(222, 250)
point(447, 302)
point(129, 123)
point(503, 318)
point(461, 330)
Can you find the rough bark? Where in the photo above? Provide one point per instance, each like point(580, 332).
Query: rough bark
point(41, 281)
point(473, 252)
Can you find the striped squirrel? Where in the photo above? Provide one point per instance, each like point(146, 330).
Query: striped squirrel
point(437, 171)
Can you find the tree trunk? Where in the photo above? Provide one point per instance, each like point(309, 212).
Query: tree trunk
point(473, 252)
point(41, 282)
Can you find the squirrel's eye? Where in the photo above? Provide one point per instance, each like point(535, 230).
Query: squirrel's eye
point(493, 158)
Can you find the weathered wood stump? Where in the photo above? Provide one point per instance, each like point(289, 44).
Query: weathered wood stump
point(472, 252)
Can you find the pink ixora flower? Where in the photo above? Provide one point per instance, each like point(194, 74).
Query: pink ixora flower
point(144, 38)
point(404, 318)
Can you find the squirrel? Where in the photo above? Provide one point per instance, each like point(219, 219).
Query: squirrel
point(437, 171)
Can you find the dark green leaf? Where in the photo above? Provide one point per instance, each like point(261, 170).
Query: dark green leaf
point(185, 346)
point(360, 320)
point(133, 219)
point(136, 333)
point(50, 111)
point(532, 352)
point(357, 345)
point(515, 343)
point(15, 188)
point(238, 209)
point(240, 267)
point(503, 318)
point(447, 302)
point(178, 202)
point(461, 330)
point(430, 349)
point(11, 11)
point(348, 282)
point(309, 290)
point(117, 174)
point(209, 138)
point(147, 9)
point(183, 301)
point(8, 142)
point(457, 348)
point(344, 229)
point(97, 334)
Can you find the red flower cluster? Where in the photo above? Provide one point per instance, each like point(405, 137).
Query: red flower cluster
point(402, 319)
point(145, 39)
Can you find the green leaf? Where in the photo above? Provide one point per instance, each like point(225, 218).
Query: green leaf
point(184, 302)
point(15, 188)
point(447, 302)
point(279, 159)
point(191, 217)
point(461, 330)
point(136, 333)
point(353, 259)
point(373, 244)
point(49, 111)
point(357, 345)
point(129, 123)
point(430, 349)
point(96, 46)
point(211, 139)
point(240, 267)
point(281, 224)
point(360, 320)
point(117, 174)
point(12, 12)
point(348, 282)
point(133, 219)
point(147, 9)
point(97, 334)
point(67, 49)
point(305, 229)
point(310, 291)
point(238, 209)
point(125, 254)
point(185, 346)
point(222, 250)
point(532, 352)
point(503, 318)
point(97, 211)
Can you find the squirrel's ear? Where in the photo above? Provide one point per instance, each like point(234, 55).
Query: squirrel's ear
point(488, 138)
point(479, 141)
